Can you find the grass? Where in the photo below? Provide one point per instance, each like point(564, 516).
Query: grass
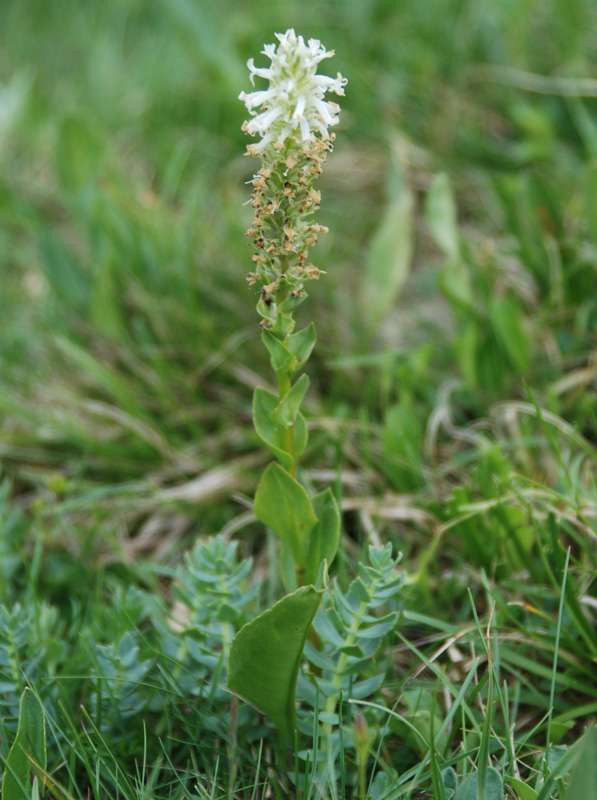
point(452, 401)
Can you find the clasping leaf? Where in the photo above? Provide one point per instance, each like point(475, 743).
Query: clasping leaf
point(284, 414)
point(28, 750)
point(284, 506)
point(266, 654)
point(264, 405)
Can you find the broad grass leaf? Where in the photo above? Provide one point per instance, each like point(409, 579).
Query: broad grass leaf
point(517, 536)
point(284, 506)
point(80, 153)
point(402, 448)
point(105, 306)
point(583, 779)
point(506, 319)
point(388, 260)
point(266, 654)
point(442, 220)
point(29, 748)
point(69, 281)
point(591, 199)
point(101, 375)
point(15, 98)
point(442, 217)
point(455, 283)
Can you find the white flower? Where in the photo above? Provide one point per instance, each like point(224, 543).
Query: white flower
point(294, 104)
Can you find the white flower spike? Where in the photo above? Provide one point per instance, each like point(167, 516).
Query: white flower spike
point(293, 107)
point(292, 119)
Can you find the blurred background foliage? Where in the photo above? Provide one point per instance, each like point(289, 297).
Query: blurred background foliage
point(458, 314)
point(460, 296)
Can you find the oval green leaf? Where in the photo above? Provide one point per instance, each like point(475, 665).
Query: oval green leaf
point(266, 654)
point(28, 749)
point(284, 506)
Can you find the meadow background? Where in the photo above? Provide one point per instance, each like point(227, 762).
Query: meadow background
point(452, 401)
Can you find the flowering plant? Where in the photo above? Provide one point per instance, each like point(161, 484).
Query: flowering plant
point(292, 118)
point(293, 121)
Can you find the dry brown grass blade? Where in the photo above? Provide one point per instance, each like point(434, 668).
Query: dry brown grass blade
point(207, 486)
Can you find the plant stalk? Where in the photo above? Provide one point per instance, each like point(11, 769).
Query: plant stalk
point(284, 385)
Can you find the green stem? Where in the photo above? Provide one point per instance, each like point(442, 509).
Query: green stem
point(283, 389)
point(351, 640)
point(284, 385)
point(227, 637)
point(362, 775)
point(332, 701)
